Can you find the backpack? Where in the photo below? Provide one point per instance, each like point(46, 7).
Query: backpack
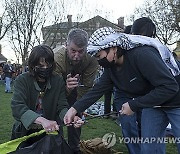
point(94, 146)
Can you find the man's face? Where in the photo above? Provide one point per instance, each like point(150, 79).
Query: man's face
point(75, 53)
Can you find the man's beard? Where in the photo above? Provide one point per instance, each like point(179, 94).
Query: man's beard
point(75, 62)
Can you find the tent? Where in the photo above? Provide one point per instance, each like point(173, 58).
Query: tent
point(49, 143)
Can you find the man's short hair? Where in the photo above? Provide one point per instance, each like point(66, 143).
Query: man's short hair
point(78, 36)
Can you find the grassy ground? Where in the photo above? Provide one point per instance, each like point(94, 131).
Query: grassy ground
point(94, 128)
point(6, 119)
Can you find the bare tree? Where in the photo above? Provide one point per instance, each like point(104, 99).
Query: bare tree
point(175, 8)
point(164, 14)
point(3, 28)
point(5, 23)
point(28, 17)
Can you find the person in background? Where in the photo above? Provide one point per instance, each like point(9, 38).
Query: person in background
point(78, 70)
point(127, 29)
point(107, 101)
point(144, 26)
point(129, 62)
point(8, 72)
point(19, 70)
point(1, 71)
point(39, 100)
point(109, 108)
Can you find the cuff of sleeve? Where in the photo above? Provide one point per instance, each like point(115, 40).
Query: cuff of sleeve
point(133, 105)
point(62, 113)
point(77, 108)
point(28, 118)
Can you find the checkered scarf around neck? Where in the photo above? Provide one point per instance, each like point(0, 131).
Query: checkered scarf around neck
point(107, 37)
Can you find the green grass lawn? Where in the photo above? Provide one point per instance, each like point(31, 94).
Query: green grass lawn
point(94, 128)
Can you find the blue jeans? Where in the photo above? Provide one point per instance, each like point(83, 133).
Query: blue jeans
point(129, 127)
point(8, 84)
point(154, 123)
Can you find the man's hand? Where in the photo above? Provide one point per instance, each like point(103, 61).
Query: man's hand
point(78, 122)
point(69, 117)
point(126, 109)
point(48, 125)
point(72, 82)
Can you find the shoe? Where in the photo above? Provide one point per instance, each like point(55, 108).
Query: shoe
point(8, 92)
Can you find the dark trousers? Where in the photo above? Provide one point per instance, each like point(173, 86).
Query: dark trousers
point(107, 102)
point(74, 137)
point(73, 133)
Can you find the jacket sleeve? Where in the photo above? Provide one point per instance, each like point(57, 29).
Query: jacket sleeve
point(59, 62)
point(60, 59)
point(20, 110)
point(62, 102)
point(104, 84)
point(154, 71)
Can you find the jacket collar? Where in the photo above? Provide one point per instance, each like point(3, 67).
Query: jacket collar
point(48, 85)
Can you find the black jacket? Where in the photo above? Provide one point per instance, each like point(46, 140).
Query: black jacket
point(143, 77)
point(8, 70)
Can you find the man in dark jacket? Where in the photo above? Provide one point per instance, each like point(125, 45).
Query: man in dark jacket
point(143, 69)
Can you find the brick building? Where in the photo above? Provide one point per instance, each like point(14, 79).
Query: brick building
point(55, 35)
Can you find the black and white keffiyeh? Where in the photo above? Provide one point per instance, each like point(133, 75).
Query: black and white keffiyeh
point(107, 37)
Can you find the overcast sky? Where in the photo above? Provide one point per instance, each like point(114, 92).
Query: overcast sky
point(120, 7)
point(117, 8)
